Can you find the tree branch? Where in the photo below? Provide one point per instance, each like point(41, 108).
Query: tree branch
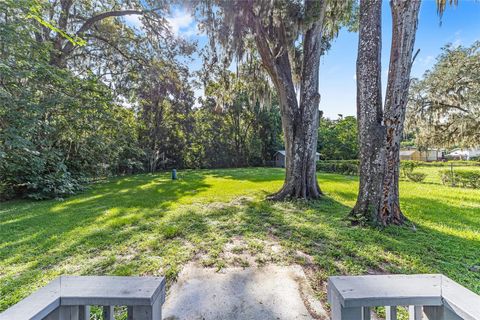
point(446, 105)
point(116, 13)
point(91, 21)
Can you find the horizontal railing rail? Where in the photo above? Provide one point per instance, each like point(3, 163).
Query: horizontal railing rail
point(70, 298)
point(430, 296)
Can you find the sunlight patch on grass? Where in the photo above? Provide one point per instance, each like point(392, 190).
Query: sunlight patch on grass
point(150, 225)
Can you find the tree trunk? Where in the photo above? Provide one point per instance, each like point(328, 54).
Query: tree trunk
point(300, 124)
point(300, 131)
point(299, 118)
point(300, 150)
point(404, 23)
point(380, 135)
point(369, 113)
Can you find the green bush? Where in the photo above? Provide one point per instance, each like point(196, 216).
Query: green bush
point(36, 175)
point(461, 178)
point(347, 167)
point(406, 167)
point(416, 176)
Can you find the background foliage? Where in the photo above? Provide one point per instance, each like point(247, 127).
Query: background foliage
point(444, 108)
point(115, 100)
point(84, 95)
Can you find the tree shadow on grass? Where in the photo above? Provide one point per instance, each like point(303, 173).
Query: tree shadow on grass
point(444, 214)
point(319, 229)
point(148, 224)
point(39, 241)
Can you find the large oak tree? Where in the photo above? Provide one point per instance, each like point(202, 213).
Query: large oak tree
point(290, 37)
point(444, 106)
point(380, 126)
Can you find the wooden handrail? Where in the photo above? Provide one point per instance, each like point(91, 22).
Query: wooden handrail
point(429, 296)
point(69, 298)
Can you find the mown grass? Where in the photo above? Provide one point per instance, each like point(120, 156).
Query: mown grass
point(151, 225)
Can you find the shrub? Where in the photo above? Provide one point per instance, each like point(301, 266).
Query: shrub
point(416, 176)
point(462, 163)
point(462, 178)
point(347, 167)
point(32, 174)
point(406, 167)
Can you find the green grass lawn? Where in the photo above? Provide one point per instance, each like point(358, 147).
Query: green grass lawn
point(150, 225)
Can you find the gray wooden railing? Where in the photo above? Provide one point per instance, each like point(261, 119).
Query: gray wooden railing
point(70, 298)
point(430, 296)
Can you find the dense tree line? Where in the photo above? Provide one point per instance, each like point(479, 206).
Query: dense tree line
point(83, 95)
point(338, 139)
point(56, 127)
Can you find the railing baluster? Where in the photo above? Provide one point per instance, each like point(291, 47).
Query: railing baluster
point(366, 313)
point(84, 313)
point(129, 313)
point(415, 312)
point(391, 312)
point(108, 313)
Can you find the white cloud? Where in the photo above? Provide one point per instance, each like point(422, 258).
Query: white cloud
point(133, 20)
point(458, 40)
point(181, 23)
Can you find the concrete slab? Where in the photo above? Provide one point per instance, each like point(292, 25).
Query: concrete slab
point(270, 292)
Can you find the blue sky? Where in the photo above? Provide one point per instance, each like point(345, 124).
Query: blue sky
point(460, 26)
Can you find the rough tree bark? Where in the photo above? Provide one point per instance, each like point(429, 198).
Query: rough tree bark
point(380, 134)
point(369, 113)
point(404, 23)
point(299, 118)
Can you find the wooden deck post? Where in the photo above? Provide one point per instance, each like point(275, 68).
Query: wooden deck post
point(440, 313)
point(153, 312)
point(366, 313)
point(340, 312)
